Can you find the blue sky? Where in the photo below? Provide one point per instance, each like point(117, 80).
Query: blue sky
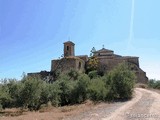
point(32, 32)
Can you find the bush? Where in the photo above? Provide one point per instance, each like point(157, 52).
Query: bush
point(97, 90)
point(154, 84)
point(5, 98)
point(31, 93)
point(121, 82)
point(45, 93)
point(151, 83)
point(15, 88)
point(73, 74)
point(65, 89)
point(50, 93)
point(80, 92)
point(93, 74)
point(71, 88)
point(92, 64)
point(54, 94)
point(1, 107)
point(157, 85)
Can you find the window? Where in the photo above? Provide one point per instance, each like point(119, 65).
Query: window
point(67, 47)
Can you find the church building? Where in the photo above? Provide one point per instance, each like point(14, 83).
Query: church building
point(107, 60)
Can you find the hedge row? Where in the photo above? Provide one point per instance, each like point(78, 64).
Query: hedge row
point(71, 88)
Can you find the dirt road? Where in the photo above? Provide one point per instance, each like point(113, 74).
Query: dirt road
point(144, 106)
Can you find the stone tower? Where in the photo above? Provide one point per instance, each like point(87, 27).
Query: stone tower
point(68, 49)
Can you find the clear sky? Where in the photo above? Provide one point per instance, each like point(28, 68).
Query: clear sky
point(32, 32)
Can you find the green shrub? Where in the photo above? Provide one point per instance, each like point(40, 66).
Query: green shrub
point(121, 82)
point(54, 94)
point(31, 93)
point(154, 84)
point(92, 64)
point(151, 83)
point(97, 90)
point(157, 84)
point(73, 74)
point(70, 88)
point(5, 98)
point(46, 92)
point(15, 87)
point(66, 87)
point(80, 92)
point(1, 107)
point(93, 74)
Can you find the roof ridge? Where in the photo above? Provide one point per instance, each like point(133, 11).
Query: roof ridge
point(104, 49)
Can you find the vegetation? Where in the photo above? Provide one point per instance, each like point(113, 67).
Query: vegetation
point(154, 84)
point(71, 88)
point(98, 90)
point(92, 64)
point(121, 81)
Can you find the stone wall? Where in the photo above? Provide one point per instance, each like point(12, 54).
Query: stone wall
point(68, 63)
point(106, 64)
point(83, 57)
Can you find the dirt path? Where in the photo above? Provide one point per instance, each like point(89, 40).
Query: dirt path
point(144, 106)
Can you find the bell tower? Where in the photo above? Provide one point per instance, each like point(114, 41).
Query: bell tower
point(68, 48)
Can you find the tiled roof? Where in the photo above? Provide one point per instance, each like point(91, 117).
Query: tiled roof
point(69, 42)
point(103, 50)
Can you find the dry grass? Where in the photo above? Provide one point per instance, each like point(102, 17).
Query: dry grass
point(140, 85)
point(12, 112)
point(145, 86)
point(155, 90)
point(46, 113)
